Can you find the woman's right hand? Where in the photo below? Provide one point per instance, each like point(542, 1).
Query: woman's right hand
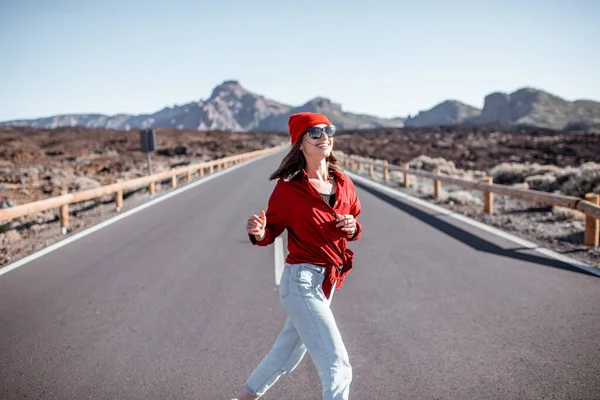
point(256, 225)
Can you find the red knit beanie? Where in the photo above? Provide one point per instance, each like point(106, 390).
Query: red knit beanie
point(300, 122)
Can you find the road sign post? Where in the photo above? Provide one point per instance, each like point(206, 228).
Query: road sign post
point(148, 142)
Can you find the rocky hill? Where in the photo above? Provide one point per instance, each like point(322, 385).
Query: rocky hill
point(535, 107)
point(524, 107)
point(449, 112)
point(230, 107)
point(334, 112)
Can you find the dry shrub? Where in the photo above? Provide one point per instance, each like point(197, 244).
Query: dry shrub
point(546, 182)
point(564, 214)
point(585, 180)
point(565, 174)
point(464, 197)
point(509, 173)
point(429, 164)
point(397, 176)
point(84, 183)
point(424, 189)
point(427, 190)
point(471, 175)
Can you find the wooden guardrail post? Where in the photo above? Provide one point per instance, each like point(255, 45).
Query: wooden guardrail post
point(488, 197)
point(386, 174)
point(371, 171)
point(119, 200)
point(174, 181)
point(406, 166)
point(201, 172)
point(189, 176)
point(152, 188)
point(437, 185)
point(64, 215)
point(592, 225)
point(211, 168)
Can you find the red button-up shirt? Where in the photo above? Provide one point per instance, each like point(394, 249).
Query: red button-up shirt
point(313, 237)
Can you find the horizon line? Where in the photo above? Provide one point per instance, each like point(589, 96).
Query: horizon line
point(236, 81)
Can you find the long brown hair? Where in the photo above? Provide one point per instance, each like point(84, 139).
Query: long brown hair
point(294, 162)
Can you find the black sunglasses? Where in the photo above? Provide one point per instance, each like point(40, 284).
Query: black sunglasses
point(316, 132)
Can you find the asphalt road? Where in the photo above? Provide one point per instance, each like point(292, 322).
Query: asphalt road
point(173, 302)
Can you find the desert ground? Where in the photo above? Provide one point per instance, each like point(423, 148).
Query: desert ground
point(39, 163)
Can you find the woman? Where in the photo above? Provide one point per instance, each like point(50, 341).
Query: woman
point(316, 202)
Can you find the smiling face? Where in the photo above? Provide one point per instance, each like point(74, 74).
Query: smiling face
point(317, 148)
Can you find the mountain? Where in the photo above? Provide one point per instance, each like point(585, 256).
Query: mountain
point(526, 107)
point(534, 107)
point(230, 107)
point(448, 112)
point(120, 121)
point(333, 111)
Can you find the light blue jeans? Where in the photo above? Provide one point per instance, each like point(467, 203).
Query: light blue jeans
point(310, 325)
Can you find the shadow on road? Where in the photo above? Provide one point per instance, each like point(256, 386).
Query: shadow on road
point(468, 238)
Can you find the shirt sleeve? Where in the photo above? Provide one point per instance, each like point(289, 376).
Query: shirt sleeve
point(276, 217)
point(355, 210)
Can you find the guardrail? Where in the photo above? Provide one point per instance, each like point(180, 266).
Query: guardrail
point(65, 198)
point(590, 206)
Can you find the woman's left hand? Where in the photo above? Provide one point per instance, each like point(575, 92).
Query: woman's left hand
point(347, 223)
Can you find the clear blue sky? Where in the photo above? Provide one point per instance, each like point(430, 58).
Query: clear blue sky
point(387, 58)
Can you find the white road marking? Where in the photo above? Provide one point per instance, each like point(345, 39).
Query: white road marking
point(114, 219)
point(279, 259)
point(480, 225)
